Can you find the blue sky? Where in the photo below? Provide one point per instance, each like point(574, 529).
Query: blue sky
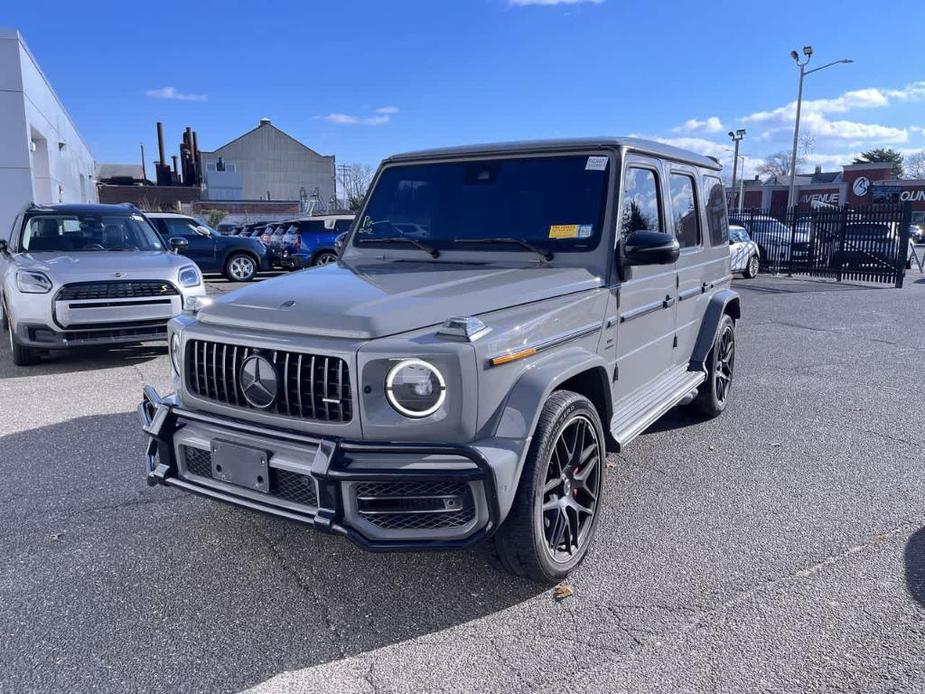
point(362, 79)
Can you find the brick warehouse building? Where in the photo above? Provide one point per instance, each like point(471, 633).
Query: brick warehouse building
point(857, 185)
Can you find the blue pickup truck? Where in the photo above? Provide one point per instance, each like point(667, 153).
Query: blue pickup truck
point(310, 241)
point(238, 258)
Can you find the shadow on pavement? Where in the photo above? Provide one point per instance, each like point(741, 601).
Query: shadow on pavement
point(60, 361)
point(129, 587)
point(915, 566)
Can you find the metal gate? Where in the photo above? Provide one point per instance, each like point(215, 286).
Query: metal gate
point(867, 244)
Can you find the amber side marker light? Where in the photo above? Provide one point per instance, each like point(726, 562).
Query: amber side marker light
point(513, 356)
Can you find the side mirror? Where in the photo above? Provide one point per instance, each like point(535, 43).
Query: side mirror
point(650, 248)
point(339, 242)
point(178, 244)
point(4, 246)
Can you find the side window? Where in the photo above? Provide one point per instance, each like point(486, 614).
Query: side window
point(641, 202)
point(717, 220)
point(684, 210)
point(342, 225)
point(180, 227)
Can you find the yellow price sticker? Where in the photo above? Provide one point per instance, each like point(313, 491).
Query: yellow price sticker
point(563, 231)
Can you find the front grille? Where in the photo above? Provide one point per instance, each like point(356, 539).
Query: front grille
point(286, 485)
point(116, 289)
point(310, 386)
point(415, 505)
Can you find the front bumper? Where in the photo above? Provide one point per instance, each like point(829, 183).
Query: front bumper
point(382, 496)
point(42, 336)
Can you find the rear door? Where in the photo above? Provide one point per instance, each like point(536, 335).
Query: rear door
point(692, 267)
point(642, 303)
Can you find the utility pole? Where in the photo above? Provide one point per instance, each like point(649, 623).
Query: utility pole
point(144, 173)
point(344, 171)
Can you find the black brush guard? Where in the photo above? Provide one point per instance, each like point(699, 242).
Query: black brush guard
point(161, 420)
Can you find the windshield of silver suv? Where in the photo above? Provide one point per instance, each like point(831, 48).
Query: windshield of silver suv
point(545, 205)
point(71, 233)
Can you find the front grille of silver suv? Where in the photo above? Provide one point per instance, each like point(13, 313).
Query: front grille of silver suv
point(310, 386)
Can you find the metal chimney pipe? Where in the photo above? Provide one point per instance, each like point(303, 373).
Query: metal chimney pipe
point(174, 157)
point(160, 142)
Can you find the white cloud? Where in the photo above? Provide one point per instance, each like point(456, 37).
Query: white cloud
point(382, 116)
point(549, 3)
point(710, 125)
point(172, 93)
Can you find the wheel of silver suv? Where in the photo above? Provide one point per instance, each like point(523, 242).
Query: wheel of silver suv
point(552, 521)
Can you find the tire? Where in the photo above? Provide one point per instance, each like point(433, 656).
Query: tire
point(523, 543)
point(713, 394)
point(240, 267)
point(325, 258)
point(22, 355)
point(751, 268)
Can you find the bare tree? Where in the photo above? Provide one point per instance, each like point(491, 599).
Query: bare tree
point(777, 165)
point(354, 180)
point(914, 165)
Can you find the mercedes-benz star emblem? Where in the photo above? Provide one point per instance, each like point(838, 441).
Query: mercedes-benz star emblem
point(258, 381)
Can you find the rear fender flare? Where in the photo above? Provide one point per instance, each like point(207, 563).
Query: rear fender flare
point(722, 302)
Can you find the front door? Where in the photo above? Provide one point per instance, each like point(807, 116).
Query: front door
point(641, 323)
point(201, 244)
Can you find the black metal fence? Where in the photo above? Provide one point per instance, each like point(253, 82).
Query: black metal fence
point(868, 244)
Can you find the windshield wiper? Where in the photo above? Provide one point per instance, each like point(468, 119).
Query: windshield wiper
point(433, 252)
point(545, 255)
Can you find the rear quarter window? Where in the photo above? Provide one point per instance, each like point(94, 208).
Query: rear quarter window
point(717, 216)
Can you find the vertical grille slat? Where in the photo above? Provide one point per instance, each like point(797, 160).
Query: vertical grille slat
point(310, 386)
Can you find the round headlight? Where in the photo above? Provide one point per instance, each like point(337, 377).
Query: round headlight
point(175, 352)
point(415, 388)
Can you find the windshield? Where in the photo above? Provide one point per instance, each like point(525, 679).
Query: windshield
point(88, 232)
point(553, 203)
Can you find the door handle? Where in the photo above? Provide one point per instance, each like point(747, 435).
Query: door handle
point(668, 302)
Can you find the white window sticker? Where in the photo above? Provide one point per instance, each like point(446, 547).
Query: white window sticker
point(596, 164)
point(584, 231)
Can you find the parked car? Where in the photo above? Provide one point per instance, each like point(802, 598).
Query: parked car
point(313, 241)
point(775, 239)
point(743, 252)
point(464, 384)
point(917, 233)
point(871, 245)
point(238, 259)
point(74, 275)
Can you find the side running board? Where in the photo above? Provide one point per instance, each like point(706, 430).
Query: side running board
point(645, 407)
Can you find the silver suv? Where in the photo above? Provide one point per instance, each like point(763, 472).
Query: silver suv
point(75, 275)
point(499, 319)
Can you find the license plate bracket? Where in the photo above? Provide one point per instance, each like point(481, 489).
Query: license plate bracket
point(242, 466)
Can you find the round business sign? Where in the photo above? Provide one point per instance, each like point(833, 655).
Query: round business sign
point(861, 186)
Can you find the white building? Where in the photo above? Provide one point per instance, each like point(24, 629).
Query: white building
point(266, 161)
point(42, 158)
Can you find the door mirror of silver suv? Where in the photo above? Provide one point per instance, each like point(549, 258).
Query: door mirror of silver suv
point(178, 243)
point(4, 247)
point(650, 248)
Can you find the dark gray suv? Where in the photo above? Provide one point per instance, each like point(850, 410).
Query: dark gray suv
point(500, 318)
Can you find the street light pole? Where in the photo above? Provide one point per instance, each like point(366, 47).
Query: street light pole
point(808, 53)
point(736, 139)
point(742, 184)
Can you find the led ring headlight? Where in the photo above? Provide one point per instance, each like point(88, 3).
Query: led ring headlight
point(415, 388)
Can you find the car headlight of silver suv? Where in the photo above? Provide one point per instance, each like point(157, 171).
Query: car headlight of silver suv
point(31, 282)
point(189, 276)
point(175, 353)
point(415, 388)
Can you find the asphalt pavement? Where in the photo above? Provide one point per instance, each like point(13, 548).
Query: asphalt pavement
point(778, 548)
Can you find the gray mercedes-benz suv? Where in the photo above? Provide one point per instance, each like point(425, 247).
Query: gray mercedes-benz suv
point(499, 319)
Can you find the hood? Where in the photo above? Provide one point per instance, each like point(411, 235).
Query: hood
point(363, 302)
point(88, 265)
